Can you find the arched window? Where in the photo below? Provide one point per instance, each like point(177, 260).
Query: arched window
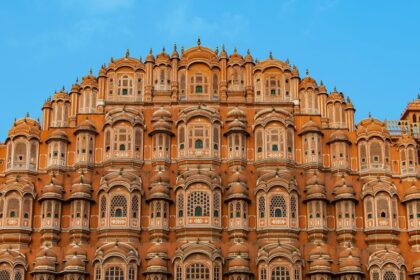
point(125, 86)
point(261, 207)
point(198, 204)
point(18, 275)
point(280, 273)
point(376, 157)
point(13, 206)
point(103, 206)
point(98, 272)
point(197, 271)
point(363, 156)
point(114, 273)
point(20, 155)
point(119, 206)
point(278, 207)
point(135, 207)
point(180, 205)
point(4, 275)
point(389, 275)
point(198, 144)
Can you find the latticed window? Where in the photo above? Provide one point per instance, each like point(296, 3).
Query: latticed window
point(293, 207)
point(26, 208)
point(135, 207)
point(181, 138)
point(297, 273)
point(122, 139)
point(98, 272)
point(363, 156)
point(259, 141)
point(13, 207)
point(125, 85)
point(278, 206)
point(375, 275)
point(180, 205)
point(199, 84)
point(197, 271)
point(216, 204)
point(263, 274)
point(131, 273)
point(178, 272)
point(198, 204)
point(375, 153)
point(238, 210)
point(261, 206)
point(382, 208)
point(119, 206)
point(280, 273)
point(4, 275)
point(216, 272)
point(389, 275)
point(18, 275)
point(114, 273)
point(103, 206)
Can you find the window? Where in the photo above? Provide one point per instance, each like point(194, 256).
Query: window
point(178, 272)
point(114, 273)
point(13, 206)
point(261, 206)
point(135, 207)
point(389, 275)
point(198, 144)
point(280, 273)
point(98, 272)
point(4, 275)
point(180, 205)
point(119, 206)
point(103, 206)
point(278, 207)
point(122, 139)
point(125, 86)
point(199, 84)
point(197, 271)
point(198, 89)
point(198, 204)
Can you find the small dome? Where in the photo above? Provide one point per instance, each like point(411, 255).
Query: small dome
point(59, 135)
point(25, 126)
point(162, 113)
point(157, 248)
point(86, 125)
point(149, 57)
point(75, 262)
point(160, 176)
point(236, 113)
point(238, 262)
point(89, 81)
point(237, 176)
point(237, 125)
point(310, 126)
point(248, 57)
point(163, 58)
point(238, 248)
point(307, 82)
point(343, 189)
point(157, 261)
point(371, 126)
point(338, 135)
point(237, 190)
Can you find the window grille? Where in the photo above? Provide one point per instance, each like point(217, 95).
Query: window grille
point(278, 206)
point(198, 204)
point(261, 206)
point(197, 271)
point(280, 273)
point(114, 273)
point(119, 206)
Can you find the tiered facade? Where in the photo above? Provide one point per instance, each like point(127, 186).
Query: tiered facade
point(200, 165)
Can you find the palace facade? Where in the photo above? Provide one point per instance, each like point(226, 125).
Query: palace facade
point(204, 165)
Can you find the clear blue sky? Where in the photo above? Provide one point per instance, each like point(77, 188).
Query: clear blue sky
point(369, 49)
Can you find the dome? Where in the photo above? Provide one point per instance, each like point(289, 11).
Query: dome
point(372, 126)
point(237, 190)
point(248, 57)
point(238, 262)
point(89, 81)
point(86, 125)
point(235, 57)
point(58, 134)
point(413, 192)
point(236, 124)
point(160, 177)
point(307, 82)
point(26, 127)
point(336, 96)
point(343, 189)
point(162, 113)
point(162, 58)
point(310, 126)
point(237, 176)
point(322, 88)
point(157, 261)
point(337, 136)
point(157, 248)
point(150, 57)
point(238, 248)
point(52, 191)
point(75, 261)
point(236, 113)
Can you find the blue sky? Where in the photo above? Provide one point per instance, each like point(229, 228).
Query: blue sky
point(368, 49)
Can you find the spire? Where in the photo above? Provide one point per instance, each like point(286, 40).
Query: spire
point(216, 51)
point(370, 115)
point(321, 83)
point(163, 49)
point(151, 51)
point(182, 50)
point(198, 41)
point(90, 71)
point(248, 52)
point(335, 88)
point(127, 52)
point(307, 72)
point(235, 50)
point(271, 55)
point(174, 46)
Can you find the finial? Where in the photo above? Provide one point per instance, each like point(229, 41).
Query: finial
point(198, 41)
point(370, 115)
point(256, 60)
point(223, 47)
point(235, 50)
point(112, 59)
point(150, 51)
point(140, 58)
point(127, 53)
point(90, 71)
point(27, 114)
point(248, 52)
point(321, 83)
point(271, 55)
point(418, 95)
point(62, 89)
point(77, 80)
point(216, 50)
point(163, 49)
point(182, 50)
point(307, 72)
point(287, 61)
point(174, 46)
point(348, 99)
point(335, 88)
